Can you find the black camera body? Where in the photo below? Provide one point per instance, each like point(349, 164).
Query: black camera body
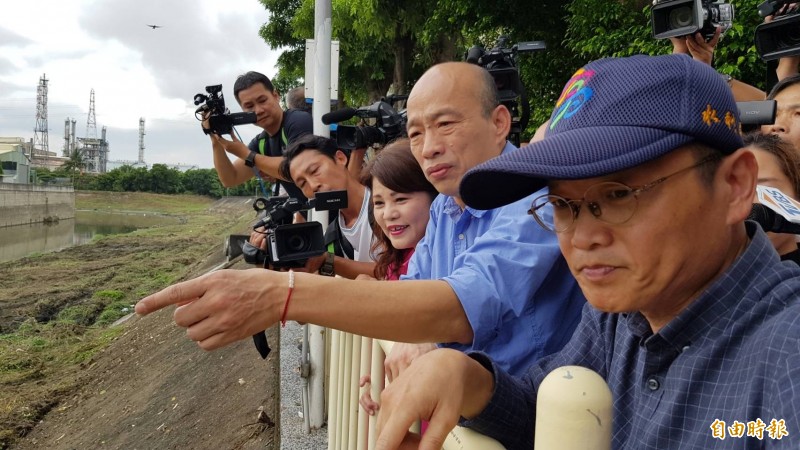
point(290, 245)
point(781, 37)
point(389, 124)
point(673, 18)
point(501, 63)
point(220, 120)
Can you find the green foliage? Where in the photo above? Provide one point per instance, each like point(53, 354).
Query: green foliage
point(375, 35)
point(602, 28)
point(160, 179)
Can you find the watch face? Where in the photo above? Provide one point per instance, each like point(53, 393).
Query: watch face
point(251, 159)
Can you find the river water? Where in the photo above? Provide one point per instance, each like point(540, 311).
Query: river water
point(23, 240)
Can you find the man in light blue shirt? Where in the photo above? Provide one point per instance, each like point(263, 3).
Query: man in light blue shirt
point(513, 284)
point(516, 290)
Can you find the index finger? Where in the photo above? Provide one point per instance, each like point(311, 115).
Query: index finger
point(392, 429)
point(179, 293)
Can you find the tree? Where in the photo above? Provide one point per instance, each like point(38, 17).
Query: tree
point(164, 180)
point(74, 164)
point(202, 182)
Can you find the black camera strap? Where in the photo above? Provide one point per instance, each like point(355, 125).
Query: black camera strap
point(260, 340)
point(336, 242)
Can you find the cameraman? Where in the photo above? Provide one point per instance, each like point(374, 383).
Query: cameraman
point(255, 93)
point(315, 164)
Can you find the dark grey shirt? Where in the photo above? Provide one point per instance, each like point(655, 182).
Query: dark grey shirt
point(732, 355)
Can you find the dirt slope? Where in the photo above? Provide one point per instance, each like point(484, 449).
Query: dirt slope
point(153, 388)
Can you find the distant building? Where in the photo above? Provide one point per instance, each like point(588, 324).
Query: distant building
point(14, 160)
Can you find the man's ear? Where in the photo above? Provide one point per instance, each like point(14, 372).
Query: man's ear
point(740, 174)
point(501, 119)
point(341, 158)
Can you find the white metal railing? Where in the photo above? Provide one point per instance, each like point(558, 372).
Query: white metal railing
point(349, 426)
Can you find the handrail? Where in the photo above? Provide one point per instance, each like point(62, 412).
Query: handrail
point(349, 427)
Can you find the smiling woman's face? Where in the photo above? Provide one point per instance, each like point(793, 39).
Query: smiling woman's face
point(402, 217)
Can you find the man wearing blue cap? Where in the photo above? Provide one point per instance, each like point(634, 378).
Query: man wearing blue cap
point(692, 320)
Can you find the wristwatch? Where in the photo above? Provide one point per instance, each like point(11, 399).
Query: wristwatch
point(251, 159)
point(327, 266)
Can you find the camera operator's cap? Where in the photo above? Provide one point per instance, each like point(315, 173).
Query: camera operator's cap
point(612, 115)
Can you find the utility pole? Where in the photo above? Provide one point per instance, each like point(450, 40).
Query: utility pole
point(40, 137)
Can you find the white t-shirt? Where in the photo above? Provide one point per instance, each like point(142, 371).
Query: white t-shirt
point(360, 234)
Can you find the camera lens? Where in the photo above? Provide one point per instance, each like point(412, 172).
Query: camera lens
point(296, 243)
point(791, 38)
point(680, 17)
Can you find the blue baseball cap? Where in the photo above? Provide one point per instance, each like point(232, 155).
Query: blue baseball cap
point(614, 114)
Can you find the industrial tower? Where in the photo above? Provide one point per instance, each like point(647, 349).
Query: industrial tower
point(141, 140)
point(70, 143)
point(91, 122)
point(40, 137)
point(94, 151)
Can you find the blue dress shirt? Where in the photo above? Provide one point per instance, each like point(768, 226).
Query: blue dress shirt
point(508, 273)
point(733, 356)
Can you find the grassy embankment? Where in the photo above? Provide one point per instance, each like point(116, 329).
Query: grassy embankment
point(56, 308)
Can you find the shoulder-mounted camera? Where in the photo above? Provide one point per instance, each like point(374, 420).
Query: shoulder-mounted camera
point(220, 120)
point(673, 18)
point(501, 62)
point(781, 37)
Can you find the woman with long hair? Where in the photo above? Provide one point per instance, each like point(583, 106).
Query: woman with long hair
point(778, 167)
point(401, 201)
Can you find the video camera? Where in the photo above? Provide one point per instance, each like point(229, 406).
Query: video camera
point(501, 62)
point(220, 120)
point(781, 37)
point(673, 18)
point(288, 244)
point(389, 124)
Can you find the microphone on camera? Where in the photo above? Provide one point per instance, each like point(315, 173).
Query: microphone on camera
point(340, 115)
point(769, 220)
point(776, 211)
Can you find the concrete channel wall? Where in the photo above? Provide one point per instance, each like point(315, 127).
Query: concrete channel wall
point(22, 204)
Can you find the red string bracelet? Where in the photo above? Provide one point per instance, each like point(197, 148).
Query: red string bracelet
point(288, 297)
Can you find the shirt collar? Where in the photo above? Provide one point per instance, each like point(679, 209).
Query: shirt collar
point(451, 208)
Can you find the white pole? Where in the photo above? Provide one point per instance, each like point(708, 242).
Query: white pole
point(364, 368)
point(322, 105)
point(333, 389)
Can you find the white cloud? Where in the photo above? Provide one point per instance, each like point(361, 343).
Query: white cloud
point(134, 70)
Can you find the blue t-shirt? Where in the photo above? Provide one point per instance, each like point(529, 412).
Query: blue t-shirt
point(508, 273)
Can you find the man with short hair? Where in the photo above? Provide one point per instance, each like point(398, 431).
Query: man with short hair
point(483, 280)
point(315, 164)
point(787, 119)
point(262, 157)
point(692, 320)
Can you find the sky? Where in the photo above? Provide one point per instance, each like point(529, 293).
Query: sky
point(135, 71)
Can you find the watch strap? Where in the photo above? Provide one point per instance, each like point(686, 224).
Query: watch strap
point(251, 159)
point(327, 266)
